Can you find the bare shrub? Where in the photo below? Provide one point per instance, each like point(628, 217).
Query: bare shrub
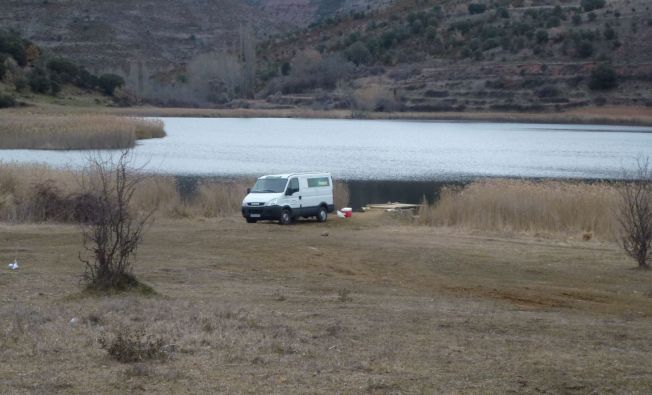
point(527, 206)
point(216, 77)
point(113, 230)
point(344, 295)
point(133, 345)
point(635, 214)
point(374, 98)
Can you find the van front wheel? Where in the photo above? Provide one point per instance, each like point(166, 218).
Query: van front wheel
point(322, 215)
point(286, 218)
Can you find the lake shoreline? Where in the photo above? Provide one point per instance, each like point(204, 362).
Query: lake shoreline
point(607, 115)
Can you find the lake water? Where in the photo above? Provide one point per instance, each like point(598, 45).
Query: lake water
point(379, 150)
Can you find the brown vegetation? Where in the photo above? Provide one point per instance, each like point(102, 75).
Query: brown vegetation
point(112, 229)
point(546, 207)
point(36, 193)
point(375, 307)
point(635, 214)
point(38, 131)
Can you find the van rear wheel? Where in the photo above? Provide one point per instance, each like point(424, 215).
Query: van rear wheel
point(322, 215)
point(286, 218)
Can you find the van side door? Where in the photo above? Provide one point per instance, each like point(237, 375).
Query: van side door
point(293, 193)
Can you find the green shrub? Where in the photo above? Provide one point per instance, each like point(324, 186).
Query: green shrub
point(38, 81)
point(3, 67)
point(477, 8)
point(285, 68)
point(358, 53)
point(584, 49)
point(577, 19)
point(63, 70)
point(108, 83)
point(542, 36)
point(610, 33)
point(490, 44)
point(553, 21)
point(590, 5)
point(7, 101)
point(12, 44)
point(603, 77)
point(21, 84)
point(86, 80)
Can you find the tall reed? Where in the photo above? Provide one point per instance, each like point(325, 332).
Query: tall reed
point(529, 207)
point(37, 193)
point(66, 132)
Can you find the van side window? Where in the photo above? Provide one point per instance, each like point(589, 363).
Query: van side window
point(294, 184)
point(318, 182)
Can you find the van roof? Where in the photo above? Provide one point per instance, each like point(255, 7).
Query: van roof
point(288, 175)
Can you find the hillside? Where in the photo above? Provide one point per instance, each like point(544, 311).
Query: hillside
point(365, 55)
point(460, 55)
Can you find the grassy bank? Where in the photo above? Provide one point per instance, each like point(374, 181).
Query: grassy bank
point(610, 115)
point(545, 207)
point(35, 193)
point(74, 131)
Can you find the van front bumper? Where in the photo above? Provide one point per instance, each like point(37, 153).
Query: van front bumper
point(262, 212)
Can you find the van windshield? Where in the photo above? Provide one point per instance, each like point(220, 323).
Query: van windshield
point(269, 185)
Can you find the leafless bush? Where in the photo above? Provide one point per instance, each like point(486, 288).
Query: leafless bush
point(133, 345)
point(344, 295)
point(216, 77)
point(375, 98)
point(112, 231)
point(635, 213)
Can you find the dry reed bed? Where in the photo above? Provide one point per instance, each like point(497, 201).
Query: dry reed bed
point(536, 207)
point(66, 132)
point(38, 193)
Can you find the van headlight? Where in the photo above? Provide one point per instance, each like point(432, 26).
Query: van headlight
point(272, 202)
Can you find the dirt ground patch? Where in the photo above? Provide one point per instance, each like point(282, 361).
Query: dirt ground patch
point(374, 307)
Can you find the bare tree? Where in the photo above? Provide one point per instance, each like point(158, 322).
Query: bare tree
point(111, 229)
point(216, 77)
point(635, 213)
point(248, 59)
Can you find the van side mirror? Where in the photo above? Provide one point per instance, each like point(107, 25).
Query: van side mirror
point(248, 191)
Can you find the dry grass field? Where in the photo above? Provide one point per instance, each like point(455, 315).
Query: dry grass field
point(376, 306)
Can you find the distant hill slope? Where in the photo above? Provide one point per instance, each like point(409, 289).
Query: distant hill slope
point(452, 55)
point(113, 34)
point(408, 55)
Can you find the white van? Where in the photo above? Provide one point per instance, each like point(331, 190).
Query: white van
point(285, 197)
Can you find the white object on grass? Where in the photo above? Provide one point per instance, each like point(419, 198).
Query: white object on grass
point(13, 265)
point(340, 214)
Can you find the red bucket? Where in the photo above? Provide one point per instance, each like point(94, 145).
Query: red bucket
point(347, 211)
